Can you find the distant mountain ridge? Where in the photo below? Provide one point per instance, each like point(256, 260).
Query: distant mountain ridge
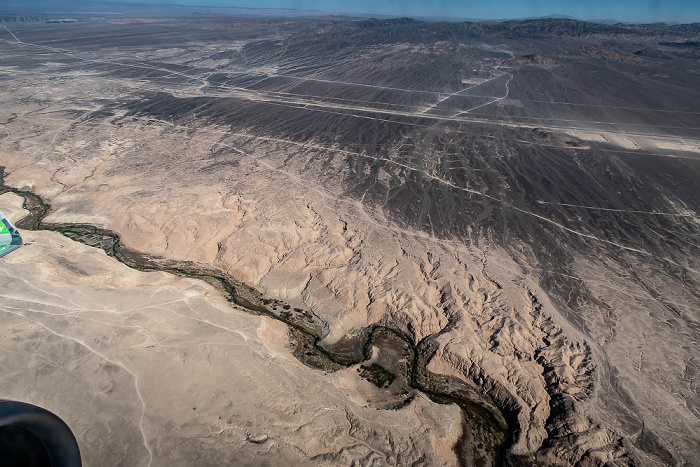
point(532, 28)
point(163, 8)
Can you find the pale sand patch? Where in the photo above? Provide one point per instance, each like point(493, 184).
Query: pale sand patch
point(11, 206)
point(677, 145)
point(621, 140)
point(154, 369)
point(587, 135)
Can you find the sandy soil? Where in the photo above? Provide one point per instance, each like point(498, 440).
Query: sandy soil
point(156, 370)
point(593, 361)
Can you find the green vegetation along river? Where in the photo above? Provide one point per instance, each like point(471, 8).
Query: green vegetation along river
point(402, 370)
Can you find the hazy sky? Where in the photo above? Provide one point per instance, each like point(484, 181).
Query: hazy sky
point(624, 10)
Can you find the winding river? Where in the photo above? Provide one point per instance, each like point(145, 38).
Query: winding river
point(486, 434)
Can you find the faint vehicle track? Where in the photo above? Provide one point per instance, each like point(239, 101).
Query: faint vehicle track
point(255, 95)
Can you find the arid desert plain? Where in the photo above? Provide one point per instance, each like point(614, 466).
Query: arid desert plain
point(264, 242)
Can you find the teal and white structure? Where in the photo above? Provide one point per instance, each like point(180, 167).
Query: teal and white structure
point(10, 239)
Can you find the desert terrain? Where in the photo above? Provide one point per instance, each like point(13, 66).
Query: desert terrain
point(450, 243)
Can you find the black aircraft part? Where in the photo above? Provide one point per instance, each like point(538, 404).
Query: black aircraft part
point(34, 437)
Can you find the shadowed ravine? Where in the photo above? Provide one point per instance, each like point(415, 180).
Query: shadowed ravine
point(486, 433)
